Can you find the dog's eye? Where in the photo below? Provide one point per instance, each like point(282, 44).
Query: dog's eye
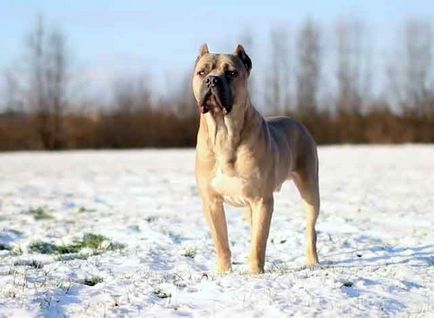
point(201, 73)
point(232, 73)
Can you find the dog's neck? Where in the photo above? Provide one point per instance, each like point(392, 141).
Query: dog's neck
point(225, 133)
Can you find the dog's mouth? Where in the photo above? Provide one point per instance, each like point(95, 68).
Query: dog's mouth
point(213, 102)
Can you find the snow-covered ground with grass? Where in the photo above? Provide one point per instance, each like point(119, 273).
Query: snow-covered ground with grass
point(121, 233)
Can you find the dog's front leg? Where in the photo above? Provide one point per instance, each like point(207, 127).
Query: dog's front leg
point(262, 211)
point(215, 215)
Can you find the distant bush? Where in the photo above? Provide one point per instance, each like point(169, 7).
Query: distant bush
point(162, 129)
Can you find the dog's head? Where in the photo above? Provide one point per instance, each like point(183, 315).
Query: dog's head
point(220, 80)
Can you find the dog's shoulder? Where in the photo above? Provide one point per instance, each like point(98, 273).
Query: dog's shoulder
point(281, 121)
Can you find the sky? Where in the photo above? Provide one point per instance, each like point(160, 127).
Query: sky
point(162, 38)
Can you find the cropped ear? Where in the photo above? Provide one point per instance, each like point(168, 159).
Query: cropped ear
point(202, 51)
point(239, 51)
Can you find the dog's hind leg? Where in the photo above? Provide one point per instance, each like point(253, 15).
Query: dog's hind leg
point(248, 215)
point(307, 184)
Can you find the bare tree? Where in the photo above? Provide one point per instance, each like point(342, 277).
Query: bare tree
point(183, 98)
point(308, 68)
point(132, 95)
point(278, 82)
point(353, 71)
point(48, 83)
point(410, 73)
point(418, 66)
point(13, 100)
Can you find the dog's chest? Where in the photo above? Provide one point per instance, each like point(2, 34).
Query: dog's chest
point(231, 188)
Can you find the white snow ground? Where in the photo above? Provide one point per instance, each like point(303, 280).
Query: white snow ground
point(376, 238)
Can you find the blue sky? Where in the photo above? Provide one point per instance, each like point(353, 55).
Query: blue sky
point(161, 38)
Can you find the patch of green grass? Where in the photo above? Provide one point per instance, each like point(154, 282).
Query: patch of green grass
point(92, 241)
point(16, 250)
point(190, 252)
point(83, 209)
point(67, 249)
point(151, 218)
point(96, 242)
point(40, 213)
point(92, 281)
point(42, 247)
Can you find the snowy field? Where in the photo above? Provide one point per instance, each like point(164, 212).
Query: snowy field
point(122, 234)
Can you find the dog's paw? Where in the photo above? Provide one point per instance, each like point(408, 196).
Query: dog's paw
point(311, 263)
point(226, 271)
point(224, 268)
point(255, 270)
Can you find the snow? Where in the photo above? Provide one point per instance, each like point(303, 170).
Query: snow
point(375, 238)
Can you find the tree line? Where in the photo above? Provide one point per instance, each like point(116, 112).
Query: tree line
point(327, 80)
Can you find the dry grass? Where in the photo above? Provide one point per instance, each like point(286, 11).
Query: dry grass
point(162, 129)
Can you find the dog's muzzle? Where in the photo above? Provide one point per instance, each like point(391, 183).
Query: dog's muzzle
point(214, 96)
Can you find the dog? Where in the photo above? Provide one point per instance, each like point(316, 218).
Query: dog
point(243, 158)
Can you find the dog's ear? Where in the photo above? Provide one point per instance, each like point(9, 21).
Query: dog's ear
point(239, 51)
point(202, 51)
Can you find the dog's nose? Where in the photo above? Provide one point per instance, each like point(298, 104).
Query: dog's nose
point(212, 81)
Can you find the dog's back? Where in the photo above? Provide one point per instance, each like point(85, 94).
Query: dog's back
point(295, 139)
